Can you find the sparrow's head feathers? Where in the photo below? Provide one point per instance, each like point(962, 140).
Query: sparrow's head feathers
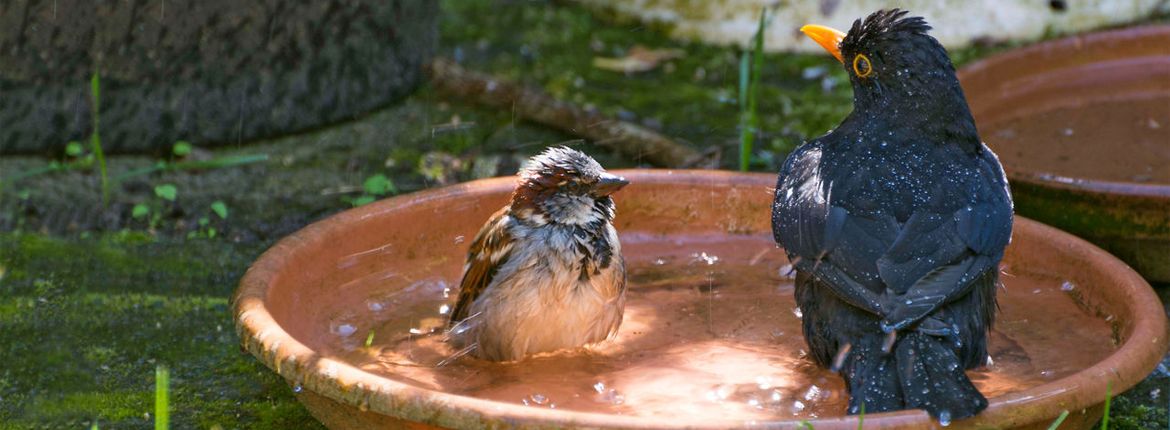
point(563, 185)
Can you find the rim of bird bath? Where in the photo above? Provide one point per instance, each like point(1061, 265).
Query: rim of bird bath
point(365, 398)
point(1129, 218)
point(998, 87)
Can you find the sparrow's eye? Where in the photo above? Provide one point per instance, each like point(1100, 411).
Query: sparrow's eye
point(861, 65)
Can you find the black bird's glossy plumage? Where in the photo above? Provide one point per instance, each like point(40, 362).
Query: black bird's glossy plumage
point(896, 222)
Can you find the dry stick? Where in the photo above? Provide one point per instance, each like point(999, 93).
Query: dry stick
point(628, 139)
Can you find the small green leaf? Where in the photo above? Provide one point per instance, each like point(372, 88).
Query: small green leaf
point(363, 200)
point(220, 209)
point(73, 149)
point(203, 221)
point(211, 232)
point(24, 194)
point(182, 148)
point(378, 185)
point(370, 338)
point(140, 210)
point(166, 191)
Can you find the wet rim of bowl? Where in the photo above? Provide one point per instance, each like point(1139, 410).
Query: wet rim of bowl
point(345, 384)
point(990, 64)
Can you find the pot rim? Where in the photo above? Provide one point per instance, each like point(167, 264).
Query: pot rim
point(262, 336)
point(1074, 43)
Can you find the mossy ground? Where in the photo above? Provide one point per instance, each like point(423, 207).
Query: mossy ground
point(92, 299)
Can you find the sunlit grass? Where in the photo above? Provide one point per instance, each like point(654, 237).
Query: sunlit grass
point(749, 82)
point(1059, 420)
point(162, 409)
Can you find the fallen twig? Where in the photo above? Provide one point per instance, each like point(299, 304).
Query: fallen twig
point(630, 140)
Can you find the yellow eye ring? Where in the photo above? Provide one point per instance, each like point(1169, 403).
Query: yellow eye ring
point(861, 65)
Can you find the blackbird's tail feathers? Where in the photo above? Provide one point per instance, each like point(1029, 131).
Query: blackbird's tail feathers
point(922, 372)
point(932, 378)
point(871, 377)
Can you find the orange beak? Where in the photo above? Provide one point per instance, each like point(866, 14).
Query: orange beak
point(828, 38)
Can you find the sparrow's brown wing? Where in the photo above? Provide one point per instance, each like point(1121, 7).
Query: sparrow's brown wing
point(489, 251)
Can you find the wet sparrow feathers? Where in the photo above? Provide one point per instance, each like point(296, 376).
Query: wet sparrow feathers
point(545, 272)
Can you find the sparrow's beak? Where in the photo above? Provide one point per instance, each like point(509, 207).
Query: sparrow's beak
point(608, 184)
point(828, 38)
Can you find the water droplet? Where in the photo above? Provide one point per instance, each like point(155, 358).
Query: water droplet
point(798, 406)
point(1067, 286)
point(459, 239)
point(1046, 373)
point(775, 395)
point(539, 399)
point(444, 309)
point(599, 387)
point(944, 418)
point(796, 311)
point(298, 388)
point(703, 257)
point(659, 262)
point(787, 271)
point(814, 392)
point(764, 382)
point(375, 306)
point(724, 391)
point(1067, 132)
point(344, 329)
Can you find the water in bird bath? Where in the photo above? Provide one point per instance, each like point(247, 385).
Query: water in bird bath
point(711, 330)
point(1119, 141)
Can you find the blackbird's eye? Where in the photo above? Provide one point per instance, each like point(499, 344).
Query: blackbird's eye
point(861, 65)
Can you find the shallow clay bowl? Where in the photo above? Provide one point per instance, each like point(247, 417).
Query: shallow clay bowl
point(1082, 125)
point(282, 303)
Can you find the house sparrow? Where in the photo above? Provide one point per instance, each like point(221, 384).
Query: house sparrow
point(545, 272)
point(896, 222)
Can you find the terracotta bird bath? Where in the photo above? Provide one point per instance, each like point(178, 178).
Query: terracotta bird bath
point(1082, 126)
point(348, 311)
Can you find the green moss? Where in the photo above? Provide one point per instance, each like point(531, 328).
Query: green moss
point(556, 47)
point(84, 322)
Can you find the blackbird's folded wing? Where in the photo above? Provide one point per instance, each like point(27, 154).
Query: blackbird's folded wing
point(489, 251)
point(937, 259)
point(810, 229)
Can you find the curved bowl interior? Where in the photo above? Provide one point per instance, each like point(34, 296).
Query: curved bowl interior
point(1082, 126)
point(1074, 112)
point(288, 298)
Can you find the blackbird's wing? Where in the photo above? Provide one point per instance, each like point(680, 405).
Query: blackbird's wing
point(937, 257)
point(488, 252)
point(810, 228)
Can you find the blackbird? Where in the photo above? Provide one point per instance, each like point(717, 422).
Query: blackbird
point(895, 223)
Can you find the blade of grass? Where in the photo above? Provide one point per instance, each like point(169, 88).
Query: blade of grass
point(162, 382)
point(1059, 420)
point(745, 133)
point(1108, 397)
point(30, 173)
point(96, 139)
point(751, 118)
point(217, 163)
point(861, 417)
